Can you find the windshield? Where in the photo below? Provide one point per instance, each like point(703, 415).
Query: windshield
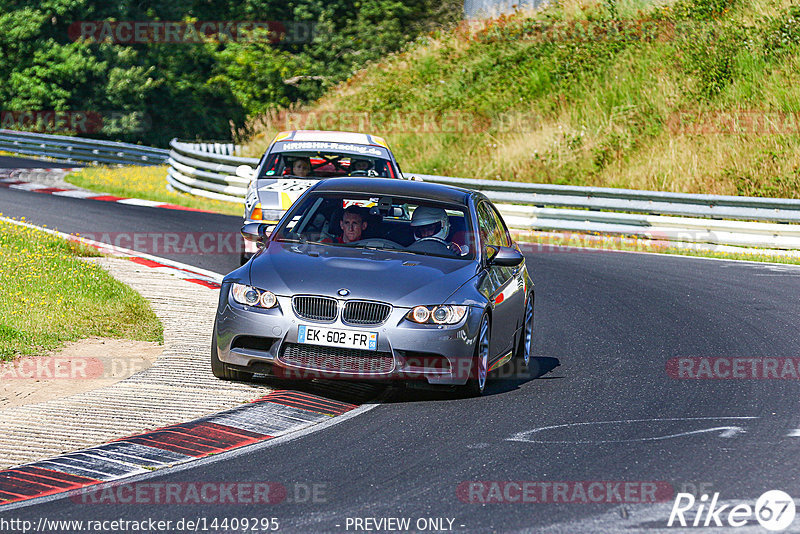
point(318, 164)
point(400, 224)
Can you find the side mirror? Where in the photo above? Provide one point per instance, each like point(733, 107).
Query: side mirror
point(504, 256)
point(245, 171)
point(256, 232)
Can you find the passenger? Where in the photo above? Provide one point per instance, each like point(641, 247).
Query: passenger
point(301, 167)
point(352, 226)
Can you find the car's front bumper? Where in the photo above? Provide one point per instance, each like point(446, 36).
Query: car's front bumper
point(267, 341)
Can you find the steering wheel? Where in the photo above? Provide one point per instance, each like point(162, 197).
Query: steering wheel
point(432, 245)
point(451, 247)
point(378, 242)
point(434, 239)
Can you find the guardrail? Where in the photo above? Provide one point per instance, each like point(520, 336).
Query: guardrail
point(210, 170)
point(80, 150)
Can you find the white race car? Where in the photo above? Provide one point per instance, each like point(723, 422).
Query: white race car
point(296, 160)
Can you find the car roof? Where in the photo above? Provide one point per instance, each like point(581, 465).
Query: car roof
point(324, 136)
point(388, 186)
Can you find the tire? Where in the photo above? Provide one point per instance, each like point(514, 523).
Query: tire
point(525, 346)
point(221, 369)
point(476, 384)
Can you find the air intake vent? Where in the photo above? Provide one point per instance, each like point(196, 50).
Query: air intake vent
point(337, 360)
point(315, 308)
point(361, 312)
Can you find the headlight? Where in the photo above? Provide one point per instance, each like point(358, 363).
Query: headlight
point(251, 296)
point(445, 314)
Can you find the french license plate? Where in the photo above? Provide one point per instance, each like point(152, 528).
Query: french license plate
point(331, 337)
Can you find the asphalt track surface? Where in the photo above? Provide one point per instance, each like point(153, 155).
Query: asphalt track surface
point(605, 326)
point(8, 162)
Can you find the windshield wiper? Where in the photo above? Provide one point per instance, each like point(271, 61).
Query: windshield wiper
point(302, 241)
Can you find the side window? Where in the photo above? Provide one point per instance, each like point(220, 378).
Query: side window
point(500, 228)
point(490, 227)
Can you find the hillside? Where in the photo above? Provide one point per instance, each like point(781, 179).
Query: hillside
point(694, 96)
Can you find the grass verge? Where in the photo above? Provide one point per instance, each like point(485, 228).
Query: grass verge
point(49, 296)
point(146, 183)
point(575, 242)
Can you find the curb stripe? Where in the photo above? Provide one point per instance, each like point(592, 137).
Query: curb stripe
point(198, 439)
point(137, 455)
point(308, 402)
point(50, 190)
point(13, 183)
point(107, 198)
point(14, 487)
point(55, 476)
point(309, 406)
point(147, 263)
point(300, 395)
point(182, 208)
point(210, 285)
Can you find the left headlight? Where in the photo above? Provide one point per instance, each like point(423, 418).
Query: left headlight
point(252, 296)
point(444, 314)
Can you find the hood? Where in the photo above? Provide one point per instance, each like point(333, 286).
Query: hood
point(401, 279)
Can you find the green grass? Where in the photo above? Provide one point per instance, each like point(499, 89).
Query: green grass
point(147, 183)
point(49, 296)
point(553, 107)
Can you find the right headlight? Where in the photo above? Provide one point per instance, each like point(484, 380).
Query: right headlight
point(251, 296)
point(444, 314)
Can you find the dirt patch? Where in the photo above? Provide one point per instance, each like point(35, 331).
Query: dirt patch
point(80, 366)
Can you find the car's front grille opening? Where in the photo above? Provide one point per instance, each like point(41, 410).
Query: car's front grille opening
point(253, 343)
point(362, 312)
point(336, 360)
point(315, 308)
point(428, 361)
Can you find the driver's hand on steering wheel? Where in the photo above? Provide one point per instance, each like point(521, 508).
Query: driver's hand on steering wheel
point(455, 247)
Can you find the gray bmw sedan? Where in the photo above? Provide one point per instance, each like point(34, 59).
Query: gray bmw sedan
point(378, 279)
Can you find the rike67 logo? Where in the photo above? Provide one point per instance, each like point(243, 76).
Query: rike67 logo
point(774, 510)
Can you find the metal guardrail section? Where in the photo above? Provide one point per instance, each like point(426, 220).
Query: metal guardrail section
point(493, 8)
point(208, 170)
point(66, 149)
point(690, 218)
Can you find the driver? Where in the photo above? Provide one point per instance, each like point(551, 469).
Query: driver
point(358, 165)
point(430, 223)
point(433, 224)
